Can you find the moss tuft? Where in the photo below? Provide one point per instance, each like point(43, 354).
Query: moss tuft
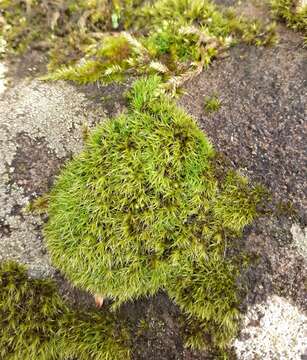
point(292, 12)
point(35, 323)
point(212, 104)
point(141, 209)
point(173, 38)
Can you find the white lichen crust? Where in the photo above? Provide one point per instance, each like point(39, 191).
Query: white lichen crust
point(300, 239)
point(274, 330)
point(52, 115)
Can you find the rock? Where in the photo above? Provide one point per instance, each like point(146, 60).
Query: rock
point(278, 333)
point(40, 127)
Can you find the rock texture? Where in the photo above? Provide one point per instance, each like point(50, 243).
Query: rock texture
point(40, 127)
point(273, 330)
point(261, 130)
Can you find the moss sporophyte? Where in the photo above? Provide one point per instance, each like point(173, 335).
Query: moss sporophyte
point(141, 209)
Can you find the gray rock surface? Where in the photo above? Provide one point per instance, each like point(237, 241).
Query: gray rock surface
point(40, 127)
point(261, 130)
point(274, 329)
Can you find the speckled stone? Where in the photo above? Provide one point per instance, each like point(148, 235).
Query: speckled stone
point(40, 127)
point(273, 330)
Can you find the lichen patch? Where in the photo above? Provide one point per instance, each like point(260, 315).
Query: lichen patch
point(274, 329)
point(300, 239)
point(40, 127)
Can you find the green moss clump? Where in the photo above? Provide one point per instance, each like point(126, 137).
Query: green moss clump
point(292, 13)
point(141, 209)
point(65, 28)
point(212, 104)
point(35, 323)
point(173, 38)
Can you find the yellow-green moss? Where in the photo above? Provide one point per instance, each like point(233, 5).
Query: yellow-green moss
point(212, 104)
point(141, 209)
point(35, 323)
point(292, 12)
point(107, 40)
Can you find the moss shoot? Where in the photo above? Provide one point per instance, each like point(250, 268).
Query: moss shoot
point(212, 104)
point(292, 12)
point(35, 323)
point(106, 41)
point(141, 209)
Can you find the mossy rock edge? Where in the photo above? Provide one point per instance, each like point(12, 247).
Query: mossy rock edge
point(141, 209)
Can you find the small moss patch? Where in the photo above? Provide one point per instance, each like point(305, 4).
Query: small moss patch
point(292, 12)
point(35, 323)
point(142, 209)
point(212, 104)
point(107, 41)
